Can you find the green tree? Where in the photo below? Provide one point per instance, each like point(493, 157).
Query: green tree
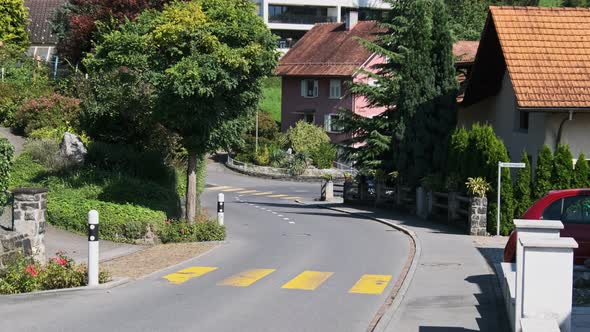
point(191, 67)
point(562, 173)
point(582, 172)
point(13, 23)
point(522, 188)
point(543, 171)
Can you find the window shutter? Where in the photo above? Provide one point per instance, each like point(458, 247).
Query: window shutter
point(315, 88)
point(327, 122)
point(303, 88)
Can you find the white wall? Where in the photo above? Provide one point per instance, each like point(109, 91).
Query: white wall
point(575, 133)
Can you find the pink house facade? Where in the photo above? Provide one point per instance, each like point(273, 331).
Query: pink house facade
point(318, 71)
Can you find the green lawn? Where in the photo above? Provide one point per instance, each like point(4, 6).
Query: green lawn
point(550, 3)
point(271, 100)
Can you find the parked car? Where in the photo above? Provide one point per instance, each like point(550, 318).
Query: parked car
point(572, 207)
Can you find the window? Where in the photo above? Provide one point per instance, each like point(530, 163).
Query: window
point(331, 125)
point(553, 211)
point(335, 89)
point(309, 88)
point(523, 121)
point(309, 118)
point(576, 210)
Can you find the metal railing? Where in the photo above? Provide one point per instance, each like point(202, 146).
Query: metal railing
point(301, 19)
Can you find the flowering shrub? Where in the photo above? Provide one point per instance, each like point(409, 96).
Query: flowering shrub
point(25, 275)
point(201, 230)
point(48, 111)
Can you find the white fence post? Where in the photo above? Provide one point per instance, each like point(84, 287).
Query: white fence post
point(547, 279)
point(93, 248)
point(540, 229)
point(220, 209)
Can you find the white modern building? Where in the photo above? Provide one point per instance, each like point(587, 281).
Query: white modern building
point(291, 19)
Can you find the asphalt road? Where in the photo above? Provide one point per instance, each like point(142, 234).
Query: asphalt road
point(285, 267)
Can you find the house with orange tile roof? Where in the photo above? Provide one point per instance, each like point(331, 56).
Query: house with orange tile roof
point(318, 69)
point(531, 79)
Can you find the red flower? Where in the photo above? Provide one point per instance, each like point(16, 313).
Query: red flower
point(31, 270)
point(182, 230)
point(59, 260)
point(168, 222)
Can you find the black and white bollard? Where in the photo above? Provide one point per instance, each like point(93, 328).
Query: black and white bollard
point(93, 248)
point(220, 208)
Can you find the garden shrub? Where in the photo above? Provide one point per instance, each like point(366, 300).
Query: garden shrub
point(297, 164)
point(543, 173)
point(6, 154)
point(118, 222)
point(582, 172)
point(522, 188)
point(263, 156)
point(562, 173)
point(457, 153)
point(22, 274)
point(181, 231)
point(51, 111)
point(46, 152)
point(277, 156)
point(306, 137)
point(324, 155)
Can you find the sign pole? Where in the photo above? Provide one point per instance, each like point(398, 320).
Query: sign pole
point(499, 191)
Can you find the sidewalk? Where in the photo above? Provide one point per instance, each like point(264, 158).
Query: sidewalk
point(76, 246)
point(453, 288)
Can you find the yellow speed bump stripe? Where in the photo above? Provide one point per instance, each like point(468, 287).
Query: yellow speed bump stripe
point(371, 284)
point(232, 190)
point(248, 192)
point(218, 188)
point(264, 193)
point(308, 280)
point(278, 196)
point(184, 275)
point(292, 197)
point(246, 278)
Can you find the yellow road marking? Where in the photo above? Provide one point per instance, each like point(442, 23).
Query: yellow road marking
point(371, 284)
point(293, 198)
point(232, 190)
point(277, 196)
point(308, 280)
point(247, 192)
point(264, 193)
point(184, 275)
point(246, 278)
point(219, 187)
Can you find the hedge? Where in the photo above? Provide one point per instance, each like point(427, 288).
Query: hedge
point(118, 222)
point(6, 153)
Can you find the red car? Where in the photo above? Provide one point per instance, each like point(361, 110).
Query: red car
point(572, 207)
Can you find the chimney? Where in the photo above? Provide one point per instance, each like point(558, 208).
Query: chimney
point(352, 19)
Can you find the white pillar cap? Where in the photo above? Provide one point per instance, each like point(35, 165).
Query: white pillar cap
point(558, 243)
point(538, 224)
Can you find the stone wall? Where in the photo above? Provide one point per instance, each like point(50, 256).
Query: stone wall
point(29, 208)
point(13, 244)
point(478, 218)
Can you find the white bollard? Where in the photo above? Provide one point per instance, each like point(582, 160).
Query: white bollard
point(93, 248)
point(220, 208)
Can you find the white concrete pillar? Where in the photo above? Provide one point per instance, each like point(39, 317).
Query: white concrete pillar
point(542, 229)
point(264, 4)
point(547, 279)
point(339, 14)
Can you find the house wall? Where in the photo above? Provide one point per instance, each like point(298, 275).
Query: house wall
point(501, 113)
point(292, 103)
point(360, 103)
point(575, 133)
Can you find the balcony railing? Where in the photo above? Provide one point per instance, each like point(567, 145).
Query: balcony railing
point(301, 19)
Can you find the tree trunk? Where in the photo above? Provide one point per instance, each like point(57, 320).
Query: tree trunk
point(191, 188)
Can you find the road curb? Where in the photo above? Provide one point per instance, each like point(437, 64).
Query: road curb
point(388, 310)
point(108, 285)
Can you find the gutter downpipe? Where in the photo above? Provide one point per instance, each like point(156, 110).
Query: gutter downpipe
point(570, 117)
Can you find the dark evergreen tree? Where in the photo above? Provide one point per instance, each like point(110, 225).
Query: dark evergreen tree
point(562, 174)
point(543, 171)
point(522, 188)
point(582, 173)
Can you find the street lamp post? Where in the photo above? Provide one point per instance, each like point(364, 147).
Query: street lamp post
point(256, 131)
point(500, 166)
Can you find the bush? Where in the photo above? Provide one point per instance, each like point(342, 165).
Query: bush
point(522, 188)
point(582, 172)
point(477, 187)
point(297, 164)
point(46, 152)
point(457, 152)
point(118, 222)
point(180, 231)
point(52, 111)
point(324, 155)
point(6, 153)
point(22, 275)
point(543, 171)
point(263, 156)
point(562, 173)
point(306, 137)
